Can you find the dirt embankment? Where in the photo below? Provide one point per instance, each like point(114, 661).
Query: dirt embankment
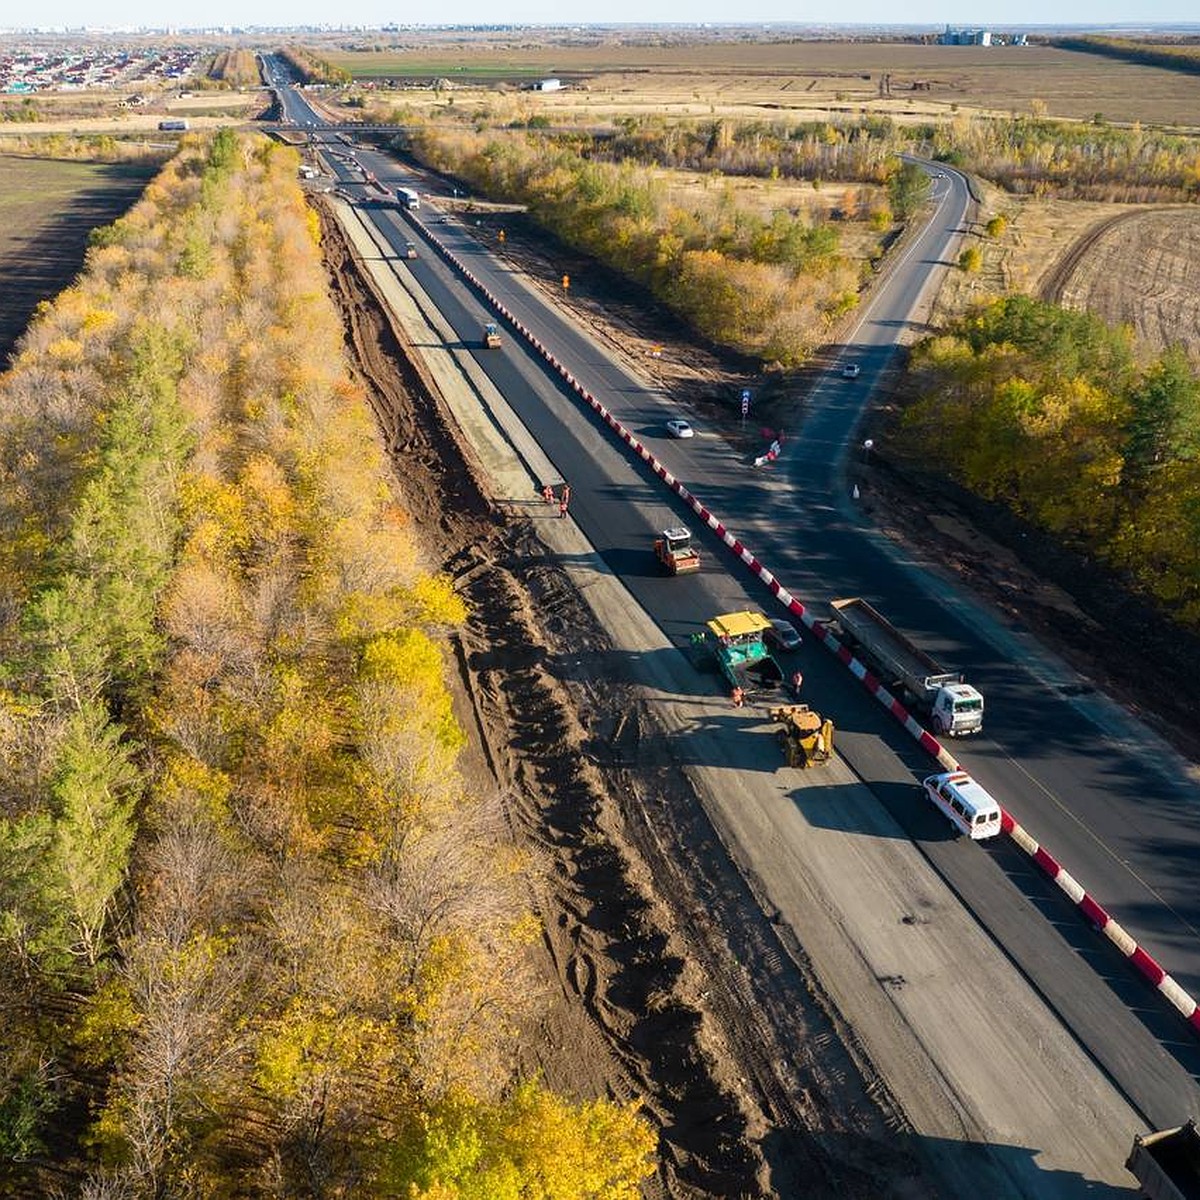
point(663, 977)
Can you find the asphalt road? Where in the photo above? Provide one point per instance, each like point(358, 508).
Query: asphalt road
point(1118, 821)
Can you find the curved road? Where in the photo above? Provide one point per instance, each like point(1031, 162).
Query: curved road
point(1080, 783)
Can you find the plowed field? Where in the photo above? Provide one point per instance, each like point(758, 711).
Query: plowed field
point(1141, 269)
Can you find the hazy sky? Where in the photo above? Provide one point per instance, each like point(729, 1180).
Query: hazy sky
point(1007, 15)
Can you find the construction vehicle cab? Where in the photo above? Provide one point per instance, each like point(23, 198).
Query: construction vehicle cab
point(806, 737)
point(491, 335)
point(674, 550)
point(735, 641)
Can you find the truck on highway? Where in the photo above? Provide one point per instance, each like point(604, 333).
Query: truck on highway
point(735, 643)
point(407, 198)
point(1167, 1163)
point(954, 706)
point(675, 553)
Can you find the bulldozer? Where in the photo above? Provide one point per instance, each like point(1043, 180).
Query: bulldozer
point(806, 737)
point(674, 550)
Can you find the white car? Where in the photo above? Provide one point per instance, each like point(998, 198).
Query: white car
point(680, 428)
point(851, 371)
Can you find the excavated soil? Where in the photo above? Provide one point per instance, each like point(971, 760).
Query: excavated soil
point(663, 978)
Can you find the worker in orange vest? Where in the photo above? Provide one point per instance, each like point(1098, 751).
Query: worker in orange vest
point(739, 697)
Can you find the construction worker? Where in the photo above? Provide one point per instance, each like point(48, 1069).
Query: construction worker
point(797, 681)
point(566, 493)
point(548, 494)
point(739, 697)
point(564, 500)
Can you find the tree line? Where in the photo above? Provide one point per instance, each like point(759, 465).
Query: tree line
point(1172, 57)
point(1052, 413)
point(235, 68)
point(257, 936)
point(310, 67)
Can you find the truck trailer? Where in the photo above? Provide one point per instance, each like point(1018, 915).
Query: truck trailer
point(1167, 1163)
point(955, 707)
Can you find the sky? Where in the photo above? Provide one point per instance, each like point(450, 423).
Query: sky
point(1005, 15)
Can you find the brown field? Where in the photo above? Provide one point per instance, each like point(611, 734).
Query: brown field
point(1130, 264)
point(1141, 269)
point(47, 210)
point(802, 80)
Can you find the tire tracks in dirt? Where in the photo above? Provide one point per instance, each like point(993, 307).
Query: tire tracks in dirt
point(1054, 285)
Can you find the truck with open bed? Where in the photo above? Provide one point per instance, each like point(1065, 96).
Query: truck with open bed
point(954, 706)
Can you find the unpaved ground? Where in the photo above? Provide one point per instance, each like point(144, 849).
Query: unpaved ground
point(664, 978)
point(800, 80)
point(1143, 270)
point(48, 209)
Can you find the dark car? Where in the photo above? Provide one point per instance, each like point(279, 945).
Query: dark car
point(782, 634)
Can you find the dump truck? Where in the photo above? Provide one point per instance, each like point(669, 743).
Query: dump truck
point(805, 736)
point(954, 706)
point(1167, 1163)
point(735, 643)
point(491, 335)
point(674, 550)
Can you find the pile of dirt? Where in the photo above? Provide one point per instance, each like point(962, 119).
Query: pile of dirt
point(664, 978)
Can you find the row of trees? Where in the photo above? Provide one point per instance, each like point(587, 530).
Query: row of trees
point(1173, 57)
point(258, 937)
point(1025, 154)
point(766, 285)
point(1050, 412)
point(1072, 160)
point(312, 68)
point(235, 68)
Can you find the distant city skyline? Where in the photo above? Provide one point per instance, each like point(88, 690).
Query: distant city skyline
point(1017, 14)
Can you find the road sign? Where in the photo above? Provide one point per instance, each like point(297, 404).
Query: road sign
point(745, 401)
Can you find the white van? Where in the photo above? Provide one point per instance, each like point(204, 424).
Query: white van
point(967, 805)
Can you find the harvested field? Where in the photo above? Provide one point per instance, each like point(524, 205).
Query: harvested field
point(47, 210)
point(798, 80)
point(1140, 268)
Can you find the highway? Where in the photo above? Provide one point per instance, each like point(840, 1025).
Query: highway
point(1053, 754)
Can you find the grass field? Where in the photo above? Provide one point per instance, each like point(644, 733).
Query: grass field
point(803, 79)
point(47, 210)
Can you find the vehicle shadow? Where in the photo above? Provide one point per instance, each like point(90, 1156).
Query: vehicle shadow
point(903, 1163)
